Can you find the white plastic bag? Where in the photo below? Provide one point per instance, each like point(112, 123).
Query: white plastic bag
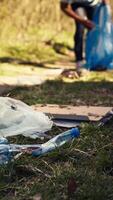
point(18, 118)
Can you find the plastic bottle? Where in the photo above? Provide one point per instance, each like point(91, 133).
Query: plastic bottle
point(8, 151)
point(57, 141)
point(5, 154)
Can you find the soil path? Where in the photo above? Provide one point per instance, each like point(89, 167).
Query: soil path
point(7, 83)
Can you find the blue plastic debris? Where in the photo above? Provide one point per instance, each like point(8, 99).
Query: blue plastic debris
point(99, 41)
point(9, 151)
point(57, 141)
point(3, 140)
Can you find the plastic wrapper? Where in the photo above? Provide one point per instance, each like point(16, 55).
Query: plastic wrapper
point(18, 118)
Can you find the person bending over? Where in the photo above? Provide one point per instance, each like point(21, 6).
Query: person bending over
point(82, 12)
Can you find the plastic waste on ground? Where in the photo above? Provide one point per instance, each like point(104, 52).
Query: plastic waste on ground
point(99, 41)
point(9, 151)
point(18, 118)
point(106, 119)
point(57, 141)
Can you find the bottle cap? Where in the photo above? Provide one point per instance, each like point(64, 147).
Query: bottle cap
point(75, 132)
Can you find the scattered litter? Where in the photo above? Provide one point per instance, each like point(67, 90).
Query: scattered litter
point(72, 116)
point(105, 119)
point(9, 151)
point(69, 123)
point(18, 118)
point(57, 141)
point(66, 123)
point(84, 113)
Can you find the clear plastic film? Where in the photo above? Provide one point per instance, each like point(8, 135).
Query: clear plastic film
point(18, 118)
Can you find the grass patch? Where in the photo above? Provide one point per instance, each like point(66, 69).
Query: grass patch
point(35, 48)
point(36, 45)
point(77, 93)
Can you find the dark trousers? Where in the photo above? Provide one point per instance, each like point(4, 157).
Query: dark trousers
point(83, 11)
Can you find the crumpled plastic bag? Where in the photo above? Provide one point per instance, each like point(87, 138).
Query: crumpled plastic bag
point(99, 41)
point(18, 118)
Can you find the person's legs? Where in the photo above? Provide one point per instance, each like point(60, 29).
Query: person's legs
point(78, 44)
point(85, 12)
point(79, 33)
point(78, 41)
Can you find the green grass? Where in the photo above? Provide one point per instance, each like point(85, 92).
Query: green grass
point(35, 45)
point(35, 48)
point(76, 93)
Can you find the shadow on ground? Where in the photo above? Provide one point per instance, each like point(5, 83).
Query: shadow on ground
point(59, 92)
point(12, 60)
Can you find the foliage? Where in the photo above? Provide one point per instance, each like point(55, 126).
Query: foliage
point(20, 16)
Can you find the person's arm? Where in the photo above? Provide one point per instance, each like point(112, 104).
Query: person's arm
point(106, 1)
point(67, 9)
